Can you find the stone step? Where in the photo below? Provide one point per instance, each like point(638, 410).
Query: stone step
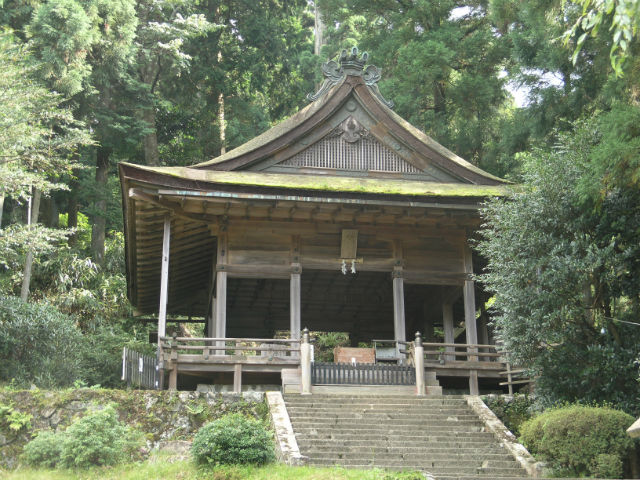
point(395, 427)
point(440, 435)
point(437, 471)
point(366, 407)
point(374, 416)
point(450, 451)
point(423, 463)
point(320, 398)
point(348, 434)
point(435, 447)
point(424, 456)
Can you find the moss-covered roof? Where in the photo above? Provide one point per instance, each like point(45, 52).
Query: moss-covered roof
point(329, 183)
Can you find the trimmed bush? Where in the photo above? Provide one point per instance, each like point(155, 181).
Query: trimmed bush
point(581, 441)
point(94, 440)
point(233, 439)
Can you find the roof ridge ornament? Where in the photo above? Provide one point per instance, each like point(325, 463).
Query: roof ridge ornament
point(350, 65)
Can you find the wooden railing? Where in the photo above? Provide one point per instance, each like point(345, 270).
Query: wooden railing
point(225, 354)
point(261, 349)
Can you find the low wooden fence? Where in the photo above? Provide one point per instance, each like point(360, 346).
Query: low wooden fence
point(361, 374)
point(140, 371)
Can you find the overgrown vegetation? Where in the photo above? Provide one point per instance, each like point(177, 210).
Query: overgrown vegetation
point(579, 441)
point(96, 439)
point(562, 252)
point(513, 411)
point(233, 440)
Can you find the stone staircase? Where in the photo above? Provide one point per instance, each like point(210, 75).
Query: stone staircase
point(438, 435)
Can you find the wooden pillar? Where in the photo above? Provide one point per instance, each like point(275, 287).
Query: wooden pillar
point(164, 291)
point(221, 289)
point(211, 321)
point(470, 317)
point(294, 323)
point(398, 307)
point(449, 332)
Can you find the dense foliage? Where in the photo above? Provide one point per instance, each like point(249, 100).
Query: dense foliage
point(513, 411)
point(39, 345)
point(562, 252)
point(581, 441)
point(96, 439)
point(233, 439)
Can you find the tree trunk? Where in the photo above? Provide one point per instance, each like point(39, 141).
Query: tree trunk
point(150, 141)
point(223, 148)
point(72, 214)
point(221, 122)
point(319, 30)
point(1, 208)
point(439, 102)
point(32, 219)
point(99, 220)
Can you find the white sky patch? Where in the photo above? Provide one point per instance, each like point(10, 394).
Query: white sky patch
point(522, 93)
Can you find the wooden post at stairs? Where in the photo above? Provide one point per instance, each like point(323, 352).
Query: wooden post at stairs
point(305, 363)
point(164, 290)
point(470, 318)
point(418, 360)
point(173, 357)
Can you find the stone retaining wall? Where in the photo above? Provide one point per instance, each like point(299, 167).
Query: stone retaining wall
point(162, 416)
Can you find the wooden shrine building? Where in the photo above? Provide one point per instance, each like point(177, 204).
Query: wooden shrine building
point(343, 217)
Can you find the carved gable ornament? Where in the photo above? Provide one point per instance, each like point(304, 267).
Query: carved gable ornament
point(354, 65)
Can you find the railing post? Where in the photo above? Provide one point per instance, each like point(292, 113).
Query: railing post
point(305, 363)
point(418, 360)
point(509, 376)
point(173, 374)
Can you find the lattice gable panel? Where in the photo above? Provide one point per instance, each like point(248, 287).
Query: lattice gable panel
point(365, 154)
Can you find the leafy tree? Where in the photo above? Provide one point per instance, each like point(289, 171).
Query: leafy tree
point(37, 138)
point(563, 265)
point(622, 17)
point(441, 62)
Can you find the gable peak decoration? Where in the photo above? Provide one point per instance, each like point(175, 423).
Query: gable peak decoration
point(350, 64)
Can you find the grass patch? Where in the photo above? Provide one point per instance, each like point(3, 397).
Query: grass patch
point(158, 468)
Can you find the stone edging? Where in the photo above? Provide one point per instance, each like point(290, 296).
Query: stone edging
point(286, 443)
point(506, 438)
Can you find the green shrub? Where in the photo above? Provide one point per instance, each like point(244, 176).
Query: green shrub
point(233, 439)
point(512, 411)
point(96, 439)
point(43, 451)
point(38, 344)
point(580, 441)
point(99, 439)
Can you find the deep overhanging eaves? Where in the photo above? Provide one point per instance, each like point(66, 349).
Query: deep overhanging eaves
point(206, 180)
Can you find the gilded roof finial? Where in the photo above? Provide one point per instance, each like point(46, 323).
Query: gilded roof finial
point(351, 64)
